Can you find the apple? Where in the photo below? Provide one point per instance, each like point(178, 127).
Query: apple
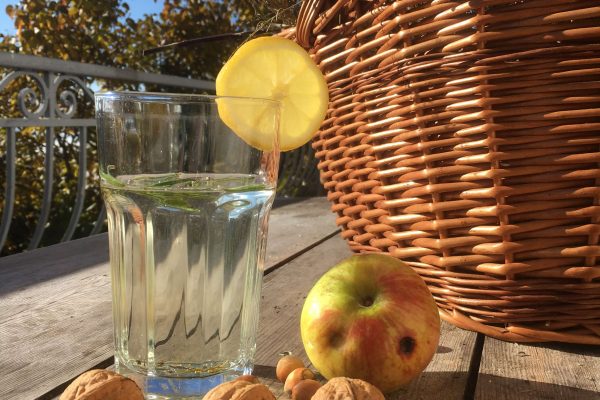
point(370, 317)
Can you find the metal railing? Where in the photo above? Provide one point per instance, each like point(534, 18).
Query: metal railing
point(50, 99)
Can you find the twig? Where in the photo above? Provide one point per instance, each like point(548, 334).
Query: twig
point(206, 39)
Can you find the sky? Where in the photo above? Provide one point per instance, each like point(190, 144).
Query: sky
point(137, 8)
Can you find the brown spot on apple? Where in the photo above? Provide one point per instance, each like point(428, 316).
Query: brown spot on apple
point(406, 346)
point(336, 339)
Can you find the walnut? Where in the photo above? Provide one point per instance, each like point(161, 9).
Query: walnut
point(100, 384)
point(348, 389)
point(240, 390)
point(248, 378)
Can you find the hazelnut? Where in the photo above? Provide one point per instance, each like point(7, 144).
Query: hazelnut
point(297, 375)
point(286, 365)
point(100, 384)
point(346, 388)
point(304, 390)
point(240, 390)
point(247, 378)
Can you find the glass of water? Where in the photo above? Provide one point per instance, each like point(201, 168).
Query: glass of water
point(187, 203)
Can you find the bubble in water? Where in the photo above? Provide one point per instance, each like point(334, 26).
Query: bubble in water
point(234, 204)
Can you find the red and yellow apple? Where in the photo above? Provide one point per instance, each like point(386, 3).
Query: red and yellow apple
point(370, 317)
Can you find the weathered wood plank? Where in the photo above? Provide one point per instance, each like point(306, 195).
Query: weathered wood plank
point(512, 371)
point(447, 375)
point(283, 296)
point(41, 266)
point(48, 299)
point(294, 227)
point(55, 302)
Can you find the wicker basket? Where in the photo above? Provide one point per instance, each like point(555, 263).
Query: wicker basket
point(464, 138)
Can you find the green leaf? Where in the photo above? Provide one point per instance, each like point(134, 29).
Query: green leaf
point(111, 180)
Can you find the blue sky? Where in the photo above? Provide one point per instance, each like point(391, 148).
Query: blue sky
point(137, 8)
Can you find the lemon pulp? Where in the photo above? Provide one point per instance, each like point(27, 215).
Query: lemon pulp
point(278, 69)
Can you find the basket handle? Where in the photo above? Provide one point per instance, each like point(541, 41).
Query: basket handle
point(309, 11)
point(311, 14)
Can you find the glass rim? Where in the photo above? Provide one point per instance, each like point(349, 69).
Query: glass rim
point(151, 97)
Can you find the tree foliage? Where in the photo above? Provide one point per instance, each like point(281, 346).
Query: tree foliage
point(103, 32)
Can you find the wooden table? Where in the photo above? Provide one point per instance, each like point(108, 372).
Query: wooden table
point(55, 323)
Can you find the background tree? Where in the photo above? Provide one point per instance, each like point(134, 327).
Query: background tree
point(101, 32)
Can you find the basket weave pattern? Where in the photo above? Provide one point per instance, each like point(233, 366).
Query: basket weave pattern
point(464, 138)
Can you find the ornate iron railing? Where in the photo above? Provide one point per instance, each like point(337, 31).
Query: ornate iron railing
point(47, 103)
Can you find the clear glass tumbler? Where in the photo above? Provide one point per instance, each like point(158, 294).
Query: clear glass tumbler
point(187, 203)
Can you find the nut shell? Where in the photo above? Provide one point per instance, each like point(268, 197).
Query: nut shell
point(100, 384)
point(348, 389)
point(286, 365)
point(247, 378)
point(297, 375)
point(304, 390)
point(240, 390)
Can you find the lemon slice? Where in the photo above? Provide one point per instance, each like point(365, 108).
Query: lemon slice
point(278, 69)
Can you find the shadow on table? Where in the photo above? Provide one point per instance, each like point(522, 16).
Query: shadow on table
point(581, 349)
point(34, 267)
point(281, 201)
point(492, 387)
point(451, 386)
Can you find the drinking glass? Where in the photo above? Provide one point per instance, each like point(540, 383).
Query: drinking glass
point(187, 204)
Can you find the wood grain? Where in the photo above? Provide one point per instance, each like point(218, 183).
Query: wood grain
point(283, 296)
point(55, 302)
point(55, 317)
point(511, 371)
point(296, 227)
point(447, 375)
point(52, 263)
